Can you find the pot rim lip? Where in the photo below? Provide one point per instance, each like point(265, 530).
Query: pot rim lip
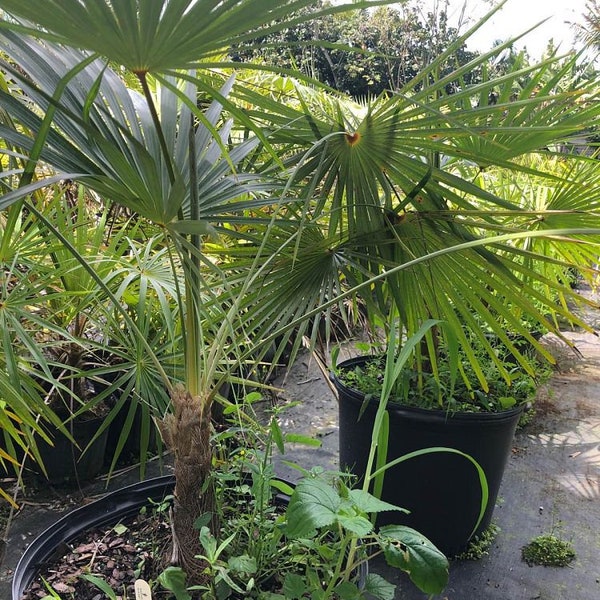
point(397, 407)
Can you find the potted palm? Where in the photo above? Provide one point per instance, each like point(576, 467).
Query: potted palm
point(68, 342)
point(419, 213)
point(313, 537)
point(68, 321)
point(155, 151)
point(431, 217)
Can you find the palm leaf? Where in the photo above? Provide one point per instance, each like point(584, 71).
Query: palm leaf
point(397, 191)
point(160, 35)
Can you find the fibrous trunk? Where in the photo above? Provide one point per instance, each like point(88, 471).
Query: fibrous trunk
point(187, 433)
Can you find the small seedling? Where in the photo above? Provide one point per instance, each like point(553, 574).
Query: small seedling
point(548, 551)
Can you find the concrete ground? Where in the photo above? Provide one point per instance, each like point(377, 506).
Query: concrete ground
point(551, 485)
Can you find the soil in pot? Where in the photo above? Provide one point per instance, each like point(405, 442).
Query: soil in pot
point(118, 555)
point(114, 539)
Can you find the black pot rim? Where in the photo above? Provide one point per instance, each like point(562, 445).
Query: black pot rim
point(123, 502)
point(356, 396)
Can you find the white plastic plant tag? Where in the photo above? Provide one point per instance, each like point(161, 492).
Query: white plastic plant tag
point(142, 590)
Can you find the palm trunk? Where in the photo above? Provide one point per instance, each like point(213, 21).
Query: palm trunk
point(187, 433)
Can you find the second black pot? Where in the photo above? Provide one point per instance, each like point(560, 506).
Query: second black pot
point(441, 490)
point(113, 507)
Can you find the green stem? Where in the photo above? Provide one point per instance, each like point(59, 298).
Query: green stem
point(352, 564)
point(192, 334)
point(194, 338)
point(344, 561)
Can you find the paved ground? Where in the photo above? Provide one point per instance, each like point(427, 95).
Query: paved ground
point(552, 484)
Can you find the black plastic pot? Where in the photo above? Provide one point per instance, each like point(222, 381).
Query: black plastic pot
point(441, 490)
point(65, 462)
point(111, 508)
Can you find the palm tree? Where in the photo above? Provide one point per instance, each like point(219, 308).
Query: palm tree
point(371, 199)
point(411, 177)
point(589, 31)
point(156, 154)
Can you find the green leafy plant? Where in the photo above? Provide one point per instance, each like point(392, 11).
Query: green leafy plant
point(444, 389)
point(312, 538)
point(184, 169)
point(416, 210)
point(101, 585)
point(24, 414)
point(52, 594)
point(318, 507)
point(70, 340)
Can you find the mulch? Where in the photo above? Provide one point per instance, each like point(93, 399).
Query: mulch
point(127, 551)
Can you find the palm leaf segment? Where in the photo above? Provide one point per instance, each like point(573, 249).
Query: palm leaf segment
point(160, 35)
point(389, 173)
point(112, 141)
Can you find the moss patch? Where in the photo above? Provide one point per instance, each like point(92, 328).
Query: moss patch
point(480, 545)
point(548, 551)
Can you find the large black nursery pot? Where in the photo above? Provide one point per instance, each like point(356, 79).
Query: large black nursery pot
point(442, 490)
point(65, 462)
point(110, 509)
